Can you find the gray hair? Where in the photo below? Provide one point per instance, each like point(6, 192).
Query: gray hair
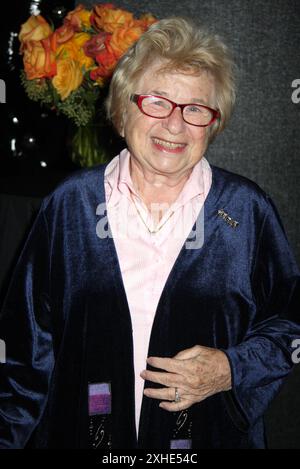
point(183, 47)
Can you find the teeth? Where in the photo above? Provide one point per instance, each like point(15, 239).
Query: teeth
point(168, 144)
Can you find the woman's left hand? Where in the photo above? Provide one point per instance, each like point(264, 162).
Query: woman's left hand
point(196, 373)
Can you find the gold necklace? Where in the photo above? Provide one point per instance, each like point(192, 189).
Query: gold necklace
point(140, 215)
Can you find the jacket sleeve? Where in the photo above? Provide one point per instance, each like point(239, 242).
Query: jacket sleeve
point(26, 331)
point(264, 357)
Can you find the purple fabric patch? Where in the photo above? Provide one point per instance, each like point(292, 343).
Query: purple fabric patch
point(181, 444)
point(99, 399)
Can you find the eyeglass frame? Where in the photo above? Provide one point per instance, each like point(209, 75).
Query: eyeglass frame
point(138, 100)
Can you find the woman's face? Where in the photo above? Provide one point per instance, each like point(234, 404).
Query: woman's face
point(149, 140)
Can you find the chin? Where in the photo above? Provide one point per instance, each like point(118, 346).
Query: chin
point(167, 169)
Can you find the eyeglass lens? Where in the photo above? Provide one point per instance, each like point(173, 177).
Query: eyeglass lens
point(192, 113)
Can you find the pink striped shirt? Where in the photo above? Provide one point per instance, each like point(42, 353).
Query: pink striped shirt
point(145, 258)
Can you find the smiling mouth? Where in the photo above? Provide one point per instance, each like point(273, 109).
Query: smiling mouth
point(168, 145)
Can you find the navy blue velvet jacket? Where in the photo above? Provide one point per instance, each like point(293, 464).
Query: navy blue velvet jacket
point(66, 324)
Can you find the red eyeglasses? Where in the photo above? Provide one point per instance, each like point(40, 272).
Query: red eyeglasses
point(160, 108)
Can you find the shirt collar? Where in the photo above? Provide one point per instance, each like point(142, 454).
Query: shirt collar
point(117, 176)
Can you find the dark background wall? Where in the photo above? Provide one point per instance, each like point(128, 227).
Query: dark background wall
point(262, 141)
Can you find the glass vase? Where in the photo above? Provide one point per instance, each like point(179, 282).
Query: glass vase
point(88, 145)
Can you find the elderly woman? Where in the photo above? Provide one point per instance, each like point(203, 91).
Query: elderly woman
point(157, 254)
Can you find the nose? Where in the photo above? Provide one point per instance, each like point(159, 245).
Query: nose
point(174, 123)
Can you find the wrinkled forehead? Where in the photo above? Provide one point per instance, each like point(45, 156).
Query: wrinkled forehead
point(161, 67)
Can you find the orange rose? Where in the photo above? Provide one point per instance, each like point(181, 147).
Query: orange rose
point(123, 38)
point(100, 74)
point(108, 19)
point(74, 49)
point(107, 60)
point(145, 21)
point(36, 28)
point(39, 58)
point(64, 33)
point(95, 45)
point(68, 77)
point(78, 18)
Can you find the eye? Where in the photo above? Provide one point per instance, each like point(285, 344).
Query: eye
point(194, 109)
point(161, 103)
point(156, 106)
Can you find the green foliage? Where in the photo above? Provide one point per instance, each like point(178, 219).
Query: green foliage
point(79, 106)
point(38, 90)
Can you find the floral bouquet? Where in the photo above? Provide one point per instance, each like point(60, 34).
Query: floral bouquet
point(66, 69)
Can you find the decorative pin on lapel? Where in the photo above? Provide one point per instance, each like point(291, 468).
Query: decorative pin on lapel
point(227, 218)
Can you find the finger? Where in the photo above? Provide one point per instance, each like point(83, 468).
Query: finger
point(167, 379)
point(163, 394)
point(168, 364)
